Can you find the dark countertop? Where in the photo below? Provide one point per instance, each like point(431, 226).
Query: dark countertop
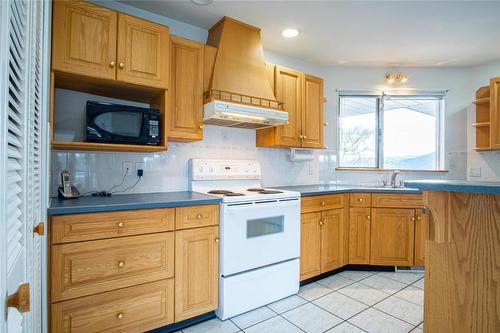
point(455, 186)
point(310, 190)
point(91, 204)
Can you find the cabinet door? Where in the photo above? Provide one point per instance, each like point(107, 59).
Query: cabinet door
point(495, 113)
point(312, 112)
point(186, 90)
point(196, 271)
point(421, 232)
point(289, 91)
point(143, 56)
point(332, 240)
point(84, 39)
point(392, 236)
point(310, 245)
point(359, 236)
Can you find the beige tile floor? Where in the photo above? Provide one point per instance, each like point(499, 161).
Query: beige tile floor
point(374, 302)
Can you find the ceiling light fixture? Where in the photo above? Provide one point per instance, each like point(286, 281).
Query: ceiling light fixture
point(202, 2)
point(290, 33)
point(400, 77)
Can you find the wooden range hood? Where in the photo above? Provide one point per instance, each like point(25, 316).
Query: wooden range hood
point(239, 72)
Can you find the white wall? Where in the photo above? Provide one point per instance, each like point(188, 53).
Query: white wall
point(167, 171)
point(488, 163)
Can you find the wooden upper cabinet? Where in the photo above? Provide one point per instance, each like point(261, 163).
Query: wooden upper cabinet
point(310, 245)
point(84, 39)
point(392, 236)
point(332, 240)
point(312, 112)
point(421, 232)
point(359, 235)
point(288, 87)
point(143, 56)
point(495, 113)
point(185, 114)
point(196, 271)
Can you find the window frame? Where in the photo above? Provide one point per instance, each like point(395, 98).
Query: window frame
point(439, 95)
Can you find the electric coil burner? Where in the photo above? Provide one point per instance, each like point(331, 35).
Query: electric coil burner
point(259, 235)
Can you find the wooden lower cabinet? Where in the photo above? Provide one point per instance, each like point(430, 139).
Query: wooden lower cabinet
point(392, 236)
point(323, 242)
point(359, 235)
point(133, 309)
point(310, 245)
point(196, 270)
point(421, 232)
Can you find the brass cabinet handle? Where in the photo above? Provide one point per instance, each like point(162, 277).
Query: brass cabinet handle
point(413, 218)
point(360, 199)
point(217, 240)
point(320, 222)
point(323, 203)
point(198, 216)
point(112, 63)
point(120, 315)
point(120, 264)
point(304, 137)
point(368, 217)
point(301, 136)
point(39, 229)
point(200, 127)
point(325, 222)
point(121, 65)
point(419, 219)
point(120, 224)
point(20, 299)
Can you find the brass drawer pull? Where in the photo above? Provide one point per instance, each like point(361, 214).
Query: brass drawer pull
point(120, 224)
point(217, 240)
point(368, 217)
point(120, 315)
point(200, 127)
point(121, 65)
point(360, 199)
point(198, 216)
point(112, 63)
point(120, 264)
point(323, 203)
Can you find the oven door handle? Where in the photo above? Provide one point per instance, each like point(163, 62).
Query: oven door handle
point(285, 204)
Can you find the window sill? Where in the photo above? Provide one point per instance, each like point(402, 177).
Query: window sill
point(379, 169)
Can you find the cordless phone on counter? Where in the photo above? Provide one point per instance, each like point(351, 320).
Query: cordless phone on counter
point(67, 191)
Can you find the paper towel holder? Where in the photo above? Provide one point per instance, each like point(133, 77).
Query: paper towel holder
point(301, 155)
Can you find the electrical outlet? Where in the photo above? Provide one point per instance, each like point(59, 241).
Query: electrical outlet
point(140, 166)
point(127, 169)
point(475, 172)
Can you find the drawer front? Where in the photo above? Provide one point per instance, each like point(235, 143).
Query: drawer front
point(397, 200)
point(360, 199)
point(196, 216)
point(321, 202)
point(134, 309)
point(81, 269)
point(93, 226)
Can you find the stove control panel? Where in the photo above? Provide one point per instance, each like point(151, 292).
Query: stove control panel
point(207, 169)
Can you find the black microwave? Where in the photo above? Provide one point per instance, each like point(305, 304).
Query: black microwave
point(115, 123)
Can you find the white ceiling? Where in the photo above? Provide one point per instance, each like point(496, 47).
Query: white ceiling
point(372, 33)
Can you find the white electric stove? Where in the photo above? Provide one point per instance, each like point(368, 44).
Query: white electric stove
point(259, 234)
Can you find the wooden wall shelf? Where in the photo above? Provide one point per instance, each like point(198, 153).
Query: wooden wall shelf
point(70, 145)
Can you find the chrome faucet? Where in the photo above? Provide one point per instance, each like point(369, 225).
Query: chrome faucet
point(394, 175)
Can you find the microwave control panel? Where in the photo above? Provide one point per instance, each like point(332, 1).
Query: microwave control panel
point(154, 129)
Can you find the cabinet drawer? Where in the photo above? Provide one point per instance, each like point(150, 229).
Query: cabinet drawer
point(196, 216)
point(86, 268)
point(360, 199)
point(93, 226)
point(322, 202)
point(397, 200)
point(134, 309)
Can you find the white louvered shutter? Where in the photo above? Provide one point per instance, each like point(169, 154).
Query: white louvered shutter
point(22, 139)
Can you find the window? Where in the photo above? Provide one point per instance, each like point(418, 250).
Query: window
point(390, 131)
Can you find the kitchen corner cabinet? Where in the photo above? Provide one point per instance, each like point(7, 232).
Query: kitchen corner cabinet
point(197, 252)
point(324, 235)
point(302, 95)
point(185, 113)
point(96, 42)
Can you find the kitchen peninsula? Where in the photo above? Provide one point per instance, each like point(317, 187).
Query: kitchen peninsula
point(462, 276)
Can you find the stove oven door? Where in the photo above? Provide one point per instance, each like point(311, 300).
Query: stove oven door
point(258, 234)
